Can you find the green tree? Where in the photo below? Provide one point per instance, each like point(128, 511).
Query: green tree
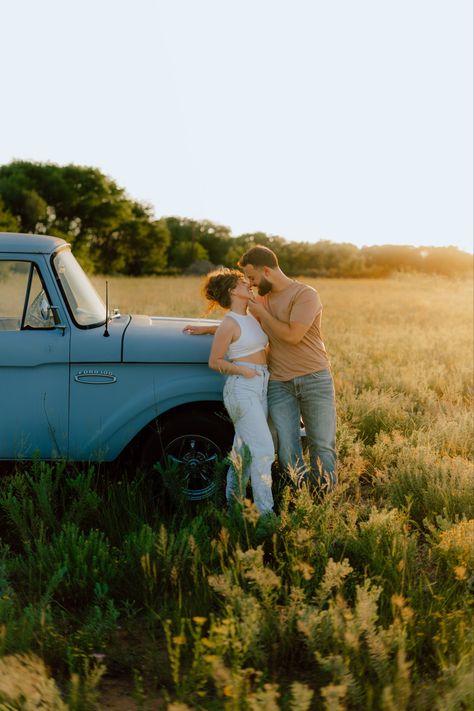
point(212, 237)
point(387, 258)
point(8, 222)
point(182, 254)
point(333, 259)
point(84, 206)
point(144, 245)
point(449, 261)
point(110, 232)
point(215, 239)
point(246, 241)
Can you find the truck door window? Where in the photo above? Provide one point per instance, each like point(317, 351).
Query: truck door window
point(38, 313)
point(23, 300)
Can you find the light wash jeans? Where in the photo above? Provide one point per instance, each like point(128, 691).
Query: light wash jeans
point(246, 402)
point(312, 397)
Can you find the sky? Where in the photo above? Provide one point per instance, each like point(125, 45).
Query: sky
point(345, 120)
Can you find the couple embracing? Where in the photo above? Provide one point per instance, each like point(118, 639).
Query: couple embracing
point(282, 326)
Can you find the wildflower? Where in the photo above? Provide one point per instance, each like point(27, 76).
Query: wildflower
point(334, 576)
point(145, 563)
point(460, 572)
point(265, 579)
point(351, 639)
point(407, 614)
point(305, 569)
point(302, 536)
point(459, 542)
point(179, 639)
point(301, 696)
point(174, 575)
point(250, 512)
point(398, 600)
point(224, 535)
point(220, 629)
point(199, 620)
point(25, 683)
point(333, 695)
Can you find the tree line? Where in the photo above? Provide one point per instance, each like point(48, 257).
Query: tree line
point(112, 233)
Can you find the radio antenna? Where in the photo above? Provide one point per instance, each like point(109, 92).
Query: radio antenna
point(106, 332)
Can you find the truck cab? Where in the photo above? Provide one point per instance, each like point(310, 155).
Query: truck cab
point(78, 384)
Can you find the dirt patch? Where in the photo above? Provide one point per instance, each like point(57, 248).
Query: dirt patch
point(118, 695)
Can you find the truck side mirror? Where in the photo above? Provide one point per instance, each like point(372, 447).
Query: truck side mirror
point(57, 318)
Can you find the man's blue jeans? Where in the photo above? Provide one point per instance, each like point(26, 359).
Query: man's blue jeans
point(312, 397)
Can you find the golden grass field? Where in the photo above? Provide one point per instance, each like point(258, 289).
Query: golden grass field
point(402, 356)
point(409, 336)
point(361, 601)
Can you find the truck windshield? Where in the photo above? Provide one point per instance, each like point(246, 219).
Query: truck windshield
point(85, 305)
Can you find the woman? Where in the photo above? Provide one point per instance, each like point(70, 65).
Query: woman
point(239, 352)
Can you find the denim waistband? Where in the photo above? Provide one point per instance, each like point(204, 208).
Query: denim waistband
point(256, 366)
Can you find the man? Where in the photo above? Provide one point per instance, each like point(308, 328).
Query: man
point(301, 383)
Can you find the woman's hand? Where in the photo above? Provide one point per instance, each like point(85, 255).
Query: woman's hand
point(247, 372)
point(199, 330)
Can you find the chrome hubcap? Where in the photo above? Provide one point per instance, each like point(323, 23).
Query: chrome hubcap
point(194, 457)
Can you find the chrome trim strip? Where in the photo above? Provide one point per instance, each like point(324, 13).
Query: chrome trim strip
point(95, 377)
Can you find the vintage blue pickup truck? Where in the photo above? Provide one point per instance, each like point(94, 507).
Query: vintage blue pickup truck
point(80, 386)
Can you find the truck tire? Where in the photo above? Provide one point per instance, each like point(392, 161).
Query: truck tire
point(187, 448)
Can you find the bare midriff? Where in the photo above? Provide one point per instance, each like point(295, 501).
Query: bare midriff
point(260, 358)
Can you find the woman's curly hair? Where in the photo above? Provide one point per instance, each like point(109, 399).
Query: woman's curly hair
point(218, 284)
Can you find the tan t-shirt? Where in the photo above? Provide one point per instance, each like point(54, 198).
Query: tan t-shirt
point(297, 303)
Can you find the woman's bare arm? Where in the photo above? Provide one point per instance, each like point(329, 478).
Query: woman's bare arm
point(200, 330)
point(227, 332)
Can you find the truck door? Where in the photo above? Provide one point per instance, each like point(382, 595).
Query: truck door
point(34, 362)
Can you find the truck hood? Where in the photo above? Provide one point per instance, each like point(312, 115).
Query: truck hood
point(160, 339)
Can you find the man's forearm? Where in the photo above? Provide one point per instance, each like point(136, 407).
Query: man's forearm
point(277, 328)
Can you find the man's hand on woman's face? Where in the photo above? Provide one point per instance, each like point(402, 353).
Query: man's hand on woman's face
point(256, 308)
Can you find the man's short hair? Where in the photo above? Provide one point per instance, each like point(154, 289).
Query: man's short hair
point(259, 257)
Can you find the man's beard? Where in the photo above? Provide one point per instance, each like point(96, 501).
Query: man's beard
point(264, 287)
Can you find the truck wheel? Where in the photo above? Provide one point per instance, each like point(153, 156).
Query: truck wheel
point(188, 447)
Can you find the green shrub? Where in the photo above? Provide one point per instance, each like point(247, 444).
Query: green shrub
point(67, 569)
point(37, 503)
point(430, 485)
point(372, 411)
point(385, 549)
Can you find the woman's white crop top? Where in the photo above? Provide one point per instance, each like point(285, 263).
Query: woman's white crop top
point(251, 340)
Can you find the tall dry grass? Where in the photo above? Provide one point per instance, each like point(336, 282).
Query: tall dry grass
point(401, 348)
point(362, 601)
